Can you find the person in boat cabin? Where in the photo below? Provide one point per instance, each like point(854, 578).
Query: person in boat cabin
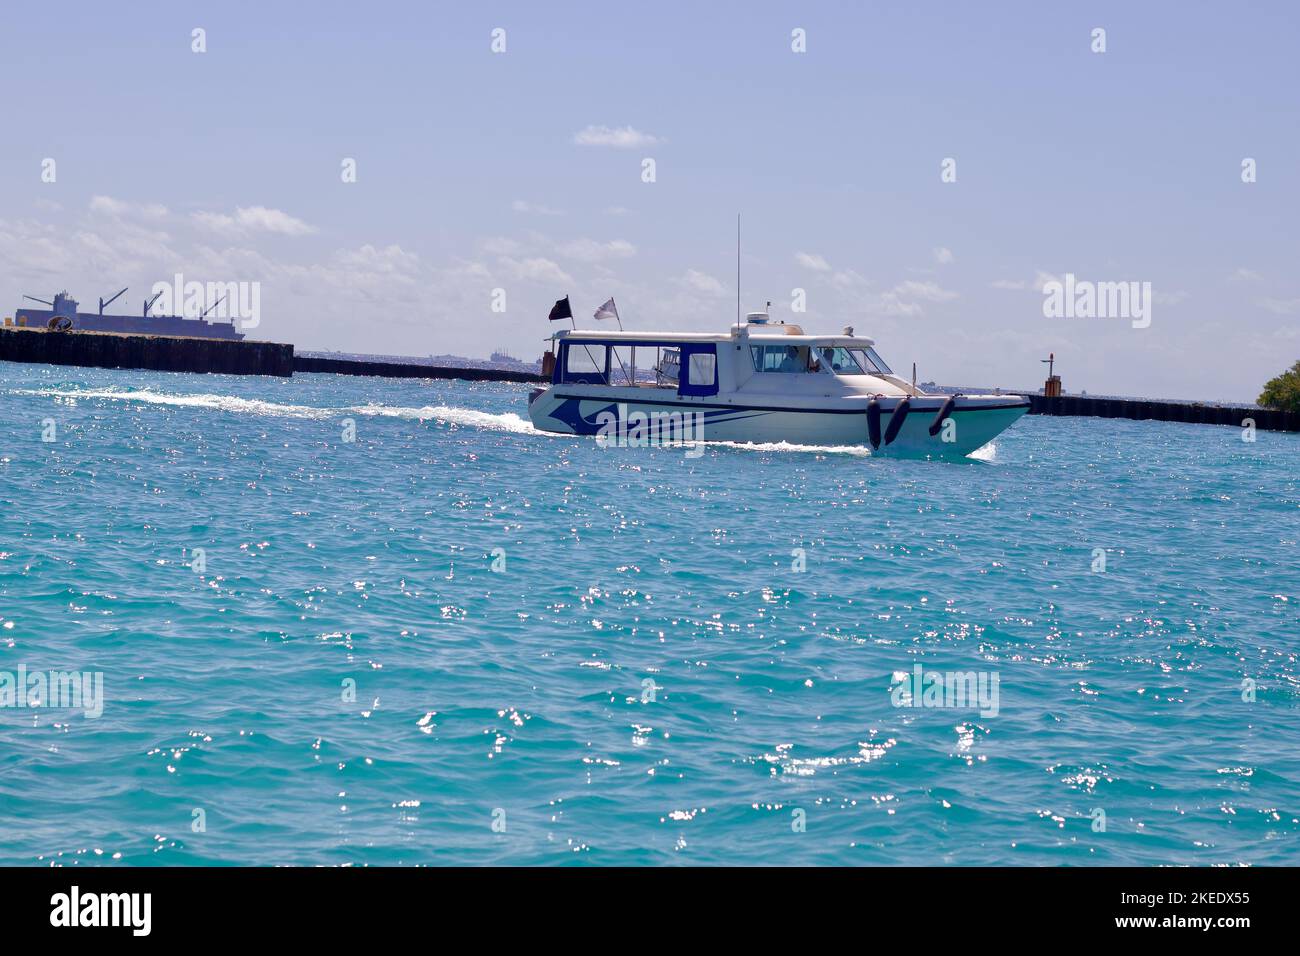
point(844, 364)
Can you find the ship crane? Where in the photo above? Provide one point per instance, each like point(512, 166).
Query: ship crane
point(149, 305)
point(41, 301)
point(211, 307)
point(103, 304)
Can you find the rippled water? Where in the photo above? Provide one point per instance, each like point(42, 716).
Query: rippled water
point(646, 676)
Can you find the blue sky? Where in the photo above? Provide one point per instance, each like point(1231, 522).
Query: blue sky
point(474, 173)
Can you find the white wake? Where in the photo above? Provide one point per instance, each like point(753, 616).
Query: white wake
point(474, 418)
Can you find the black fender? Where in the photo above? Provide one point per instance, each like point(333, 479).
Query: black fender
point(873, 422)
point(943, 415)
point(896, 420)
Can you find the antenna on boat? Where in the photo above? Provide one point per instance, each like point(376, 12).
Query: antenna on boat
point(737, 270)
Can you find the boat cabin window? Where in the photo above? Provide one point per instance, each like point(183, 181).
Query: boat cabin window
point(646, 365)
point(837, 360)
point(780, 358)
point(702, 369)
point(871, 361)
point(699, 369)
point(622, 365)
point(586, 363)
point(668, 369)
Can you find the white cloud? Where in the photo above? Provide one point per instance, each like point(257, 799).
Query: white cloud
point(811, 260)
point(95, 253)
point(108, 206)
point(537, 209)
point(942, 255)
point(216, 222)
point(905, 300)
point(1013, 284)
point(389, 260)
point(1281, 306)
point(616, 210)
point(502, 246)
point(82, 255)
point(536, 269)
point(1245, 275)
point(1041, 279)
point(624, 137)
point(253, 219)
point(850, 280)
point(925, 291)
point(891, 304)
point(703, 282)
point(589, 250)
point(259, 218)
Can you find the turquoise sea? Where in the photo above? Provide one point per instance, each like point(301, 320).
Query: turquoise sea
point(455, 640)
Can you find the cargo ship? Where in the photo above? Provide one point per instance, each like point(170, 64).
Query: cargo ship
point(63, 314)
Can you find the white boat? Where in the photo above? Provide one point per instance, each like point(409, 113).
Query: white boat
point(760, 382)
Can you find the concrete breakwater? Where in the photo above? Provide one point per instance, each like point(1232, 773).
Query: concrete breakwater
point(163, 353)
point(1265, 419)
point(303, 363)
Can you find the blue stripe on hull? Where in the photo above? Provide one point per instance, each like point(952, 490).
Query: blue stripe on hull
point(569, 411)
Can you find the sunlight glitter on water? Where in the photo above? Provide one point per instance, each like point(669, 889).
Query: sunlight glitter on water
point(392, 638)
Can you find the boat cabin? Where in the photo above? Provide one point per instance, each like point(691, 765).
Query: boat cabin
point(752, 358)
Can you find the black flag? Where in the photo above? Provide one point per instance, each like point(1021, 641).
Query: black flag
point(561, 309)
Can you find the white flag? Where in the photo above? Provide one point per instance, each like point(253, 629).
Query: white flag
point(608, 311)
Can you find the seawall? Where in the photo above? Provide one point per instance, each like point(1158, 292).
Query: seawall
point(163, 353)
point(302, 363)
point(1266, 419)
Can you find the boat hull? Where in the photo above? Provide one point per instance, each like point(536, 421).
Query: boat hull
point(630, 417)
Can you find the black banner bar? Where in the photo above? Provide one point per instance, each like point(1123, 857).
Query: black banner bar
point(218, 904)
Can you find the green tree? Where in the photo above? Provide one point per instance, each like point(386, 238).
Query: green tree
point(1284, 391)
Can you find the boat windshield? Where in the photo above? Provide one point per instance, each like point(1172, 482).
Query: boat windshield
point(781, 358)
point(871, 361)
point(832, 359)
point(838, 360)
